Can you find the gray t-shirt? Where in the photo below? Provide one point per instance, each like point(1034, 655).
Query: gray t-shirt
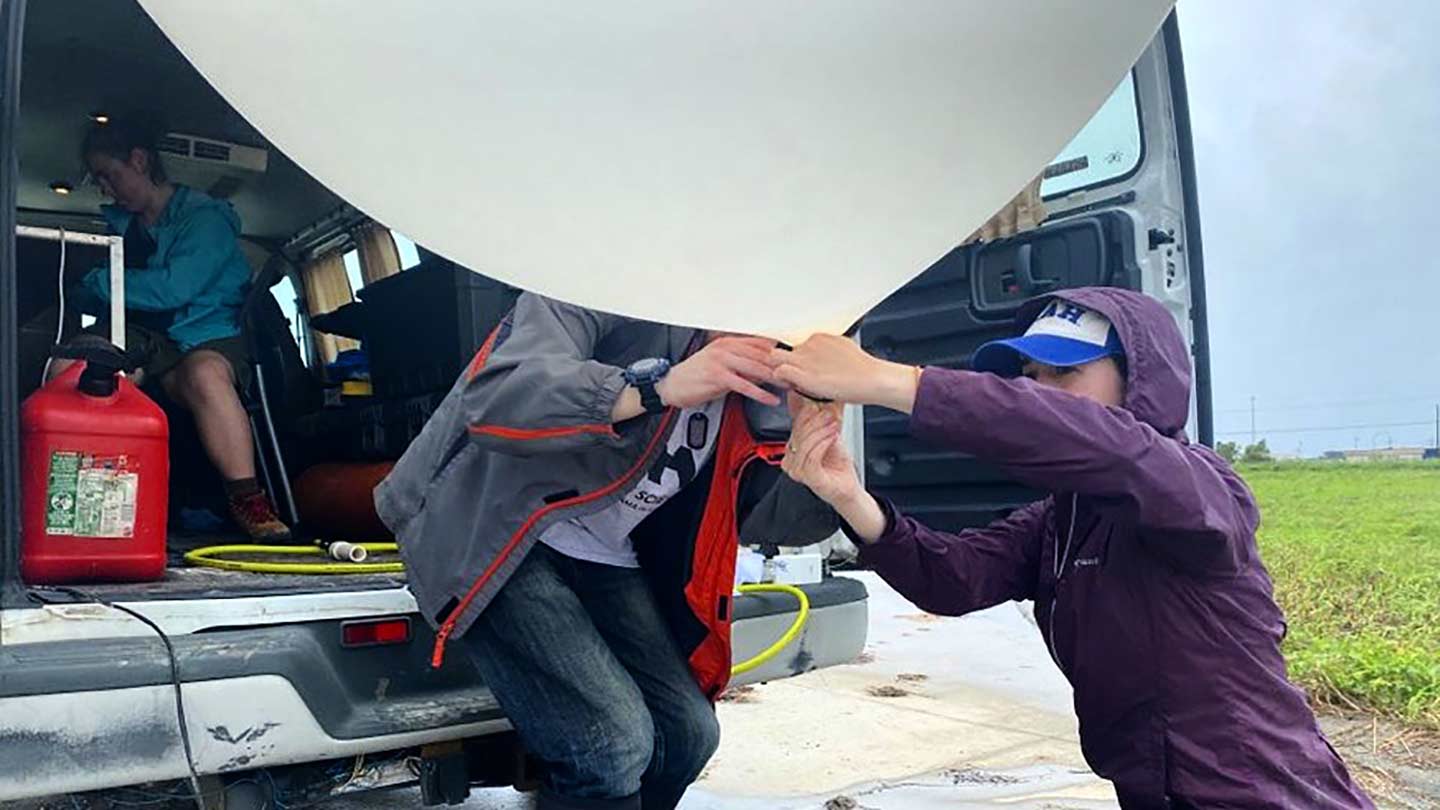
point(604, 537)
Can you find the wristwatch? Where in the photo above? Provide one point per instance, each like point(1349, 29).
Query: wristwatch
point(644, 375)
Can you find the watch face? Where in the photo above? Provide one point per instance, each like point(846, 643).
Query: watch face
point(648, 370)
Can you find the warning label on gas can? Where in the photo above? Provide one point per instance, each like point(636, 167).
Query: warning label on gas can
point(90, 496)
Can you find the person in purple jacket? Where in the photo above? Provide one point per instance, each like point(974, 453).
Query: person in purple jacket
point(1142, 563)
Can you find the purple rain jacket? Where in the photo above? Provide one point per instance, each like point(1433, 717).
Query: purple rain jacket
point(1143, 566)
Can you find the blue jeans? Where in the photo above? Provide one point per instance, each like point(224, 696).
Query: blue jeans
point(584, 666)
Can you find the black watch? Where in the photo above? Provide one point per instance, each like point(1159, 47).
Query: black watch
point(644, 375)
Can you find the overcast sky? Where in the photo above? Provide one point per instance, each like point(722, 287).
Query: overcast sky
point(1317, 138)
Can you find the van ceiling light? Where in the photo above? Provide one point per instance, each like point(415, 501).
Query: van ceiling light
point(100, 117)
point(61, 187)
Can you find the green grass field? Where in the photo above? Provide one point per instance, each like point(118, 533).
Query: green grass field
point(1354, 550)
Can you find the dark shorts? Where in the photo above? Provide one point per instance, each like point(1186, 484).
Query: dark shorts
point(157, 354)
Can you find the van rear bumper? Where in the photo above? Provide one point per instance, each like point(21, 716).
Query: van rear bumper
point(88, 715)
point(93, 740)
point(100, 713)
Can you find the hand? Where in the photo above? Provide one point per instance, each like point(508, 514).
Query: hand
point(815, 456)
point(834, 367)
point(726, 364)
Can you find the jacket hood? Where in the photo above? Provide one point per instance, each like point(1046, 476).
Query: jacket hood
point(1157, 356)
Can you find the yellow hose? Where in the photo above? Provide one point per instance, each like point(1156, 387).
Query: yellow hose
point(790, 634)
point(211, 557)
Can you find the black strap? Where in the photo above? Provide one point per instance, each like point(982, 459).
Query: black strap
point(650, 398)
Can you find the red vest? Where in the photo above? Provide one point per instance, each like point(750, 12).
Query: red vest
point(712, 582)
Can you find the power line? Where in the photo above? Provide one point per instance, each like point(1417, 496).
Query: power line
point(1327, 428)
point(1310, 406)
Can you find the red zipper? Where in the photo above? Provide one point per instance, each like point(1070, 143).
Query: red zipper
point(535, 434)
point(483, 356)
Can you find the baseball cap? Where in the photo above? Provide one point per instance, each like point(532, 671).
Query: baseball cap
point(1063, 334)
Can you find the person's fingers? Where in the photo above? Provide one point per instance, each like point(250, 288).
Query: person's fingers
point(803, 382)
point(795, 404)
point(746, 344)
point(837, 455)
point(779, 357)
point(807, 425)
point(829, 410)
point(745, 388)
point(802, 412)
point(792, 377)
point(750, 369)
point(805, 461)
point(808, 440)
point(813, 453)
point(732, 355)
point(820, 417)
point(748, 357)
point(790, 467)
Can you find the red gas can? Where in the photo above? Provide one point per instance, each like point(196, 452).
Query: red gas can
point(95, 463)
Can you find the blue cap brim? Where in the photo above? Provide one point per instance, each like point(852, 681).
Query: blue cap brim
point(1007, 357)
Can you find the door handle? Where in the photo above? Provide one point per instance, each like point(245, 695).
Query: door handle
point(1025, 272)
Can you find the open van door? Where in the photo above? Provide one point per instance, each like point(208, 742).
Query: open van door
point(12, 17)
point(1122, 212)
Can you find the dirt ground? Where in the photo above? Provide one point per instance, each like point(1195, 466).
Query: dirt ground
point(1399, 767)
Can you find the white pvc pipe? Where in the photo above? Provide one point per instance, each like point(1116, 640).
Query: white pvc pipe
point(117, 269)
point(117, 292)
point(347, 552)
point(73, 237)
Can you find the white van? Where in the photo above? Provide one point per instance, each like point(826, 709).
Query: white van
point(275, 689)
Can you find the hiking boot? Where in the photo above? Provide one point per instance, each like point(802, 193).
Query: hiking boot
point(256, 516)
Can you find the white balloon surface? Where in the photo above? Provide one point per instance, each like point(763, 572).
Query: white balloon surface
point(747, 165)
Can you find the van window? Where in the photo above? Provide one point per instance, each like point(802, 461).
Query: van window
point(330, 283)
point(409, 256)
point(1106, 150)
point(352, 272)
point(284, 293)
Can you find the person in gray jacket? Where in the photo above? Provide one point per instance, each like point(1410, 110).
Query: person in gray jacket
point(571, 515)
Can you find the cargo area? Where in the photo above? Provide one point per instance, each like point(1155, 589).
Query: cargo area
point(326, 432)
point(354, 334)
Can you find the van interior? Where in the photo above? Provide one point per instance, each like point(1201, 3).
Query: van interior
point(346, 375)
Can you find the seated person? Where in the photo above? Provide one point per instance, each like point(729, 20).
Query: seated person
point(185, 281)
point(570, 517)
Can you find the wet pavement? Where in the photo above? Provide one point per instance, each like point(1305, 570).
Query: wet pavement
point(940, 713)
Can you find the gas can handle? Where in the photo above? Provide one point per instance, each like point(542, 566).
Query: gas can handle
point(103, 361)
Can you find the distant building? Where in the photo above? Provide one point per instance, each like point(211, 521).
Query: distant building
point(1383, 454)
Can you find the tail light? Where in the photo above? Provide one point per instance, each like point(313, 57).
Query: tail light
point(375, 632)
